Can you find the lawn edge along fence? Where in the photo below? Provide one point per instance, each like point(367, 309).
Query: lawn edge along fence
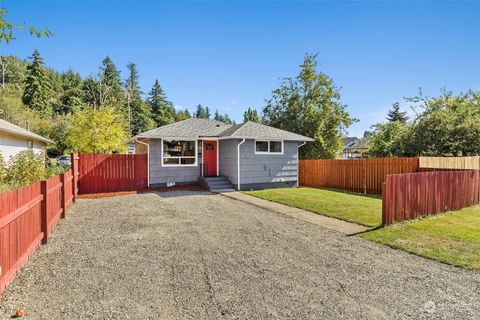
point(412, 195)
point(27, 217)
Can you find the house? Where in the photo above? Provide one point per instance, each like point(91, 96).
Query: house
point(14, 139)
point(354, 148)
point(221, 156)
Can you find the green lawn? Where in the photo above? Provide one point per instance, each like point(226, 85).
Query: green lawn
point(453, 237)
point(358, 208)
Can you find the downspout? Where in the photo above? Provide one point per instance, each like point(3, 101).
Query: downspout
point(298, 160)
point(238, 163)
point(148, 160)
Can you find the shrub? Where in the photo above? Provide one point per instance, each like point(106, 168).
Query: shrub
point(25, 167)
point(3, 169)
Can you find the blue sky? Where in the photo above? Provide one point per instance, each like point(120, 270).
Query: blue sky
point(231, 55)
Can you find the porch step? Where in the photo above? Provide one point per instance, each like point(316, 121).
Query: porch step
point(216, 183)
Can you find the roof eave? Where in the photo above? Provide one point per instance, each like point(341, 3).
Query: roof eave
point(31, 136)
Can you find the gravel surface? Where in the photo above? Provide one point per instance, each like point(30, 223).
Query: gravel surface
point(194, 255)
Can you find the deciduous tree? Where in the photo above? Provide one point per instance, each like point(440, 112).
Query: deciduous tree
point(97, 131)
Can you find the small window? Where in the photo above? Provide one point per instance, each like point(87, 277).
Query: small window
point(276, 146)
point(267, 147)
point(261, 146)
point(179, 153)
point(30, 144)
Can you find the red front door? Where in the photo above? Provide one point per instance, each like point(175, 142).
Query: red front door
point(210, 158)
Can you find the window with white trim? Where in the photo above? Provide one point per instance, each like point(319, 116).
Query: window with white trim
point(268, 147)
point(179, 152)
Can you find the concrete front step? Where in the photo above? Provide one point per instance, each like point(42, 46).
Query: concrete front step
point(216, 183)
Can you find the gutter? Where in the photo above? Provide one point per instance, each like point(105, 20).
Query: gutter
point(148, 159)
point(298, 160)
point(238, 163)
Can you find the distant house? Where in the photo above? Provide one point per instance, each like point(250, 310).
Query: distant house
point(354, 148)
point(220, 155)
point(14, 139)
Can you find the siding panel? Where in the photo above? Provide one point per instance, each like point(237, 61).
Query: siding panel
point(163, 175)
point(255, 168)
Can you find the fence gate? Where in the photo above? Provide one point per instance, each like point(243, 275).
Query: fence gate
point(111, 172)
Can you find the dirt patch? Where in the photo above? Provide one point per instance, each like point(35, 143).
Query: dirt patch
point(186, 187)
point(196, 255)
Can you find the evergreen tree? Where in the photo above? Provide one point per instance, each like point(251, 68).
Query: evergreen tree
point(395, 114)
point(71, 92)
point(309, 104)
point(183, 115)
point(222, 117)
point(162, 110)
point(202, 112)
point(111, 83)
point(140, 117)
point(106, 89)
point(38, 93)
point(251, 115)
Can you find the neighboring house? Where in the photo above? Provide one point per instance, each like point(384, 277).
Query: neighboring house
point(14, 139)
point(354, 148)
point(248, 155)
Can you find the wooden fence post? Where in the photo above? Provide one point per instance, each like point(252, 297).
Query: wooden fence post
point(64, 195)
point(44, 210)
point(74, 176)
point(384, 204)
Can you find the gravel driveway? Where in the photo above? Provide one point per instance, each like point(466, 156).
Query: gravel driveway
point(194, 255)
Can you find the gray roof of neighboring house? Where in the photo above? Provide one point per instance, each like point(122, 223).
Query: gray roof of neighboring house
point(10, 128)
point(194, 127)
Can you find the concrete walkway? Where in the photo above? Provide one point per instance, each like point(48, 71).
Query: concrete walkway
point(327, 222)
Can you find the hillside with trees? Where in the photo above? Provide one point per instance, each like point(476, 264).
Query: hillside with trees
point(51, 103)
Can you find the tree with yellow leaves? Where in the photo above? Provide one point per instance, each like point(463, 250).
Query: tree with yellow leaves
point(97, 131)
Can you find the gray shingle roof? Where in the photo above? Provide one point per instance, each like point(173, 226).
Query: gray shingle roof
point(190, 128)
point(255, 130)
point(194, 128)
point(8, 127)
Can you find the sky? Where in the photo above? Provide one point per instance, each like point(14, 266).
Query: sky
point(231, 55)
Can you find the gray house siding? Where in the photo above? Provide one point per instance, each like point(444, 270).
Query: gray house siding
point(270, 170)
point(160, 176)
point(257, 171)
point(227, 159)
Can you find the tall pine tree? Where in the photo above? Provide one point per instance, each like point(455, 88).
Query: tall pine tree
point(202, 112)
point(395, 114)
point(162, 110)
point(106, 89)
point(38, 93)
point(251, 115)
point(222, 117)
point(138, 113)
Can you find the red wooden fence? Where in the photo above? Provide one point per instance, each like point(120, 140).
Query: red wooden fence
point(408, 196)
point(27, 216)
point(112, 172)
point(363, 175)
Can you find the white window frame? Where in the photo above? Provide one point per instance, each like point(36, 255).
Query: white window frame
point(268, 152)
point(180, 165)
